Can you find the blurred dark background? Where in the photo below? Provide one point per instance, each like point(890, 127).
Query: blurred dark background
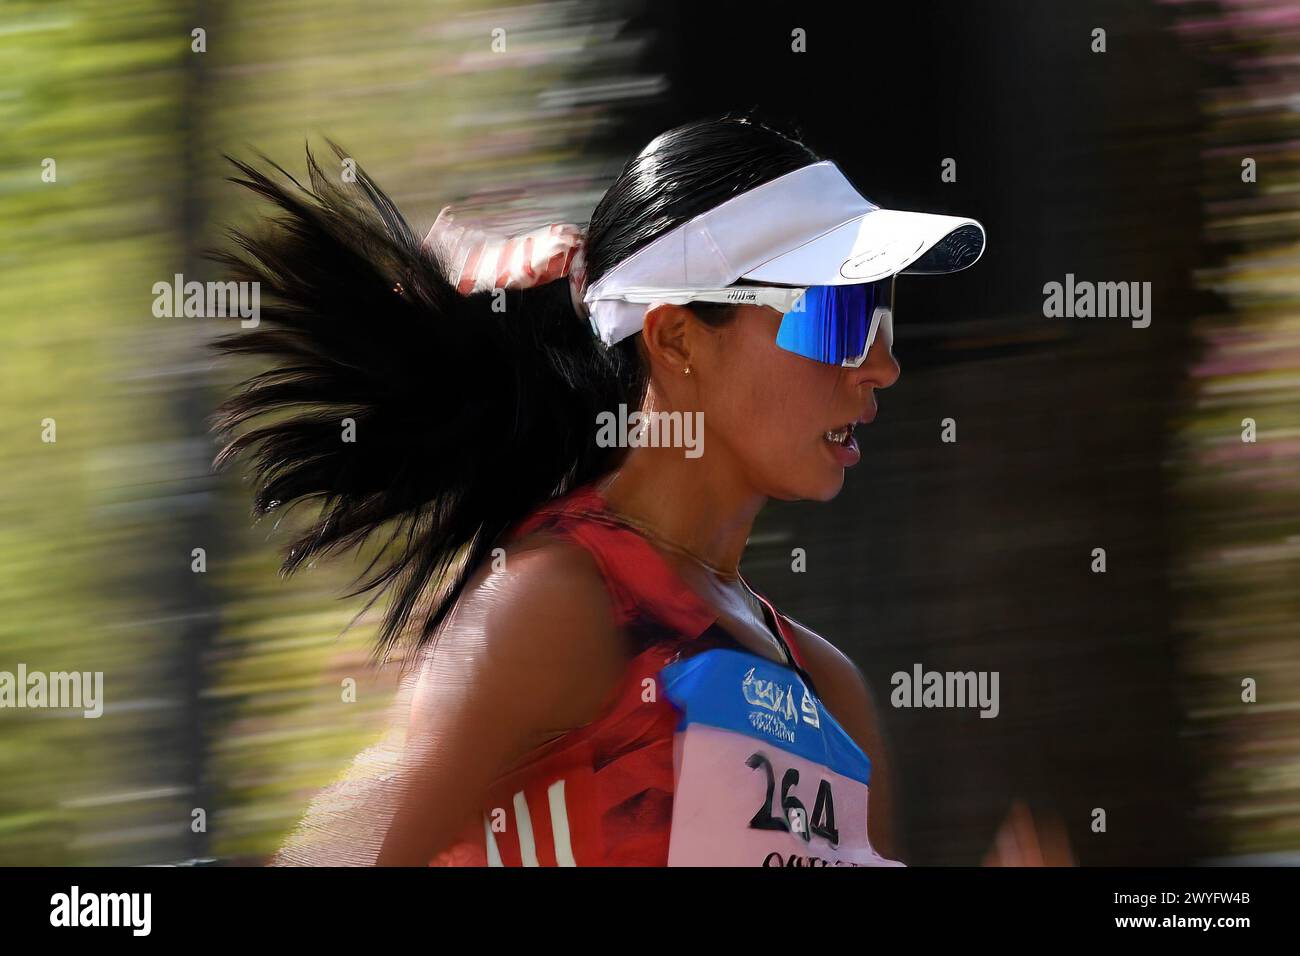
point(1119, 691)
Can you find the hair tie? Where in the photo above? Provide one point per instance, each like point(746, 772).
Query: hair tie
point(475, 261)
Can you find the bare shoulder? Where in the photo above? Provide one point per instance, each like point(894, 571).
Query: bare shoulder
point(539, 586)
point(530, 650)
point(533, 641)
point(838, 679)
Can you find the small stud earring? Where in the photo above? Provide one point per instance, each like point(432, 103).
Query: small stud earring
point(687, 370)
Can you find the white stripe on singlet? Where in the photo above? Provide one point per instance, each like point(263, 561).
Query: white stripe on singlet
point(524, 823)
point(493, 852)
point(560, 824)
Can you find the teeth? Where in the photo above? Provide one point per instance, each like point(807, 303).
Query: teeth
point(840, 436)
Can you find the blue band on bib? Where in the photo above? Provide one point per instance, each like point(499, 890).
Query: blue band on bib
point(751, 695)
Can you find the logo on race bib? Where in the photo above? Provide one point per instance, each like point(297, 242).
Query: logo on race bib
point(810, 715)
point(778, 701)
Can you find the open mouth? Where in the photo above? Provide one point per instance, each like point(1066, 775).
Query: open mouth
point(842, 436)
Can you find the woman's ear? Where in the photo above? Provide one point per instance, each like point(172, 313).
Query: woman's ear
point(667, 333)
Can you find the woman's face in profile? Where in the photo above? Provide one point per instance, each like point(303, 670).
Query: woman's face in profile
point(771, 410)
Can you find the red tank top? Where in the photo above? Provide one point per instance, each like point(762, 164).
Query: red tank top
point(602, 794)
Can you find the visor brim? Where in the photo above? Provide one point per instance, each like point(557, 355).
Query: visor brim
point(880, 243)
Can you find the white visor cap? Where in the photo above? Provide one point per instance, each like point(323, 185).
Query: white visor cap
point(808, 227)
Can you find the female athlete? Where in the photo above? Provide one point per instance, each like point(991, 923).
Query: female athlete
point(592, 680)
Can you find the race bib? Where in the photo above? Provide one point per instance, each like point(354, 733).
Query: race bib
point(764, 776)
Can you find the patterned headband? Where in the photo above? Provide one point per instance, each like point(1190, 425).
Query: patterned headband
point(478, 262)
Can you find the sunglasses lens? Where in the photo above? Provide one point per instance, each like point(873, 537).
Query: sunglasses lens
point(836, 324)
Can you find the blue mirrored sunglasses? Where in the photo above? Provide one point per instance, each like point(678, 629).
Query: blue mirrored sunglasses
point(834, 324)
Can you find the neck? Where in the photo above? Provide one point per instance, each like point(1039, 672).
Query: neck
point(699, 507)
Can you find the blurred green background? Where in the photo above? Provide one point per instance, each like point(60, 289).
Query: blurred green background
point(218, 684)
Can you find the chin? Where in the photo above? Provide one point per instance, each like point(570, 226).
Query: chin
point(823, 487)
point(830, 489)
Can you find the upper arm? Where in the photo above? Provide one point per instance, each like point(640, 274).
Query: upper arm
point(529, 651)
point(845, 693)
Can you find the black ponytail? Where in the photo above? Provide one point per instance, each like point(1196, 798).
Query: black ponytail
point(465, 417)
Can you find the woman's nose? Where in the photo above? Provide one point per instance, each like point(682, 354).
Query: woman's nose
point(880, 369)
